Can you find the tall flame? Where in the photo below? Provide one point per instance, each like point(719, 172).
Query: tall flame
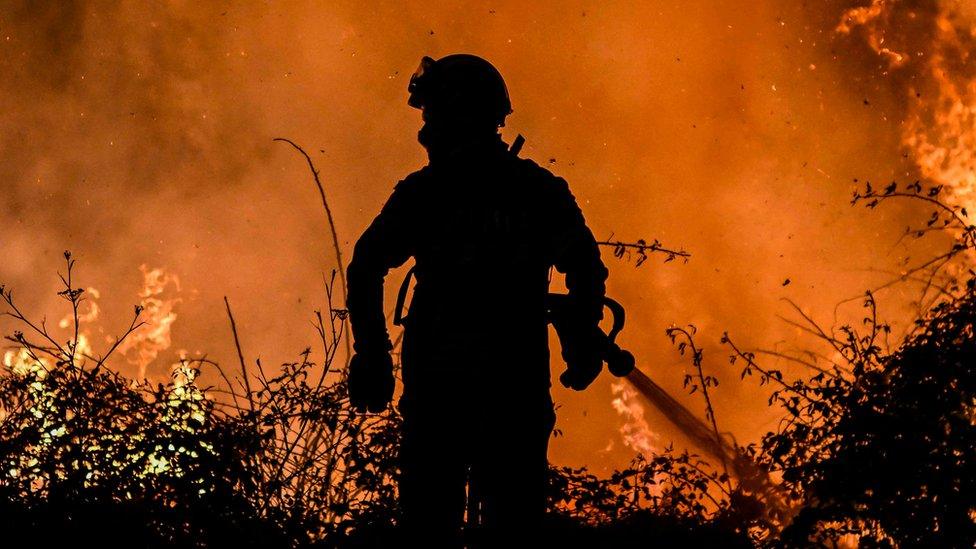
point(876, 17)
point(942, 132)
point(145, 344)
point(140, 348)
point(940, 127)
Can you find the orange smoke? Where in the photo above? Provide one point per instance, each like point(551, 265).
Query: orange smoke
point(142, 134)
point(929, 56)
point(940, 127)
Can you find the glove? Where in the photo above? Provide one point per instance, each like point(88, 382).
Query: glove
point(583, 359)
point(371, 381)
point(580, 377)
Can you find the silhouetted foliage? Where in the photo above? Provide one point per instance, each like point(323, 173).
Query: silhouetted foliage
point(640, 249)
point(90, 456)
point(876, 445)
point(667, 495)
point(880, 446)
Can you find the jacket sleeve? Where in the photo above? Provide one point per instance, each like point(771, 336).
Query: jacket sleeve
point(383, 246)
point(577, 255)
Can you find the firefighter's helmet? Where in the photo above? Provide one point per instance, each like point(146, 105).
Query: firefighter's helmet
point(460, 86)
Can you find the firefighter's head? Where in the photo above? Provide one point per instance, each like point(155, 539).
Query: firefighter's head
point(461, 93)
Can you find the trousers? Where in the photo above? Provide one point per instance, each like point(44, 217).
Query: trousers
point(474, 464)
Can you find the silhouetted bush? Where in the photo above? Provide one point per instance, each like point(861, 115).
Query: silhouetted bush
point(88, 456)
point(881, 446)
point(876, 446)
point(673, 499)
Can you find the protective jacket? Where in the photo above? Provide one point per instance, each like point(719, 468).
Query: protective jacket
point(484, 227)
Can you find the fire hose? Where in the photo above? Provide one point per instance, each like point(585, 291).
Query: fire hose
point(620, 363)
point(560, 310)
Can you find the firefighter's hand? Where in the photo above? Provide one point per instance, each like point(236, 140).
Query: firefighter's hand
point(583, 360)
point(581, 349)
point(578, 379)
point(371, 381)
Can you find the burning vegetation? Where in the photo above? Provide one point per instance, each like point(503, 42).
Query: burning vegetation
point(874, 448)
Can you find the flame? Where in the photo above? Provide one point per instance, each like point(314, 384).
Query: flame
point(940, 127)
point(84, 316)
point(184, 411)
point(875, 17)
point(942, 132)
point(140, 348)
point(144, 345)
point(22, 362)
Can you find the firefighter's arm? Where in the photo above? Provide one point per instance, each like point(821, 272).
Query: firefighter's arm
point(578, 257)
point(383, 246)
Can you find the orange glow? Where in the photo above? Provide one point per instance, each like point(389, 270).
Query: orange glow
point(142, 135)
point(939, 128)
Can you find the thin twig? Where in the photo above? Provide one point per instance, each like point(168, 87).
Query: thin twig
point(332, 227)
point(240, 355)
point(641, 247)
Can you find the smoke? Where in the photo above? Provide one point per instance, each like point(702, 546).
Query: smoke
point(142, 135)
point(637, 434)
point(929, 46)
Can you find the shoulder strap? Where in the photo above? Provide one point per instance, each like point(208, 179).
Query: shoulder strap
point(402, 297)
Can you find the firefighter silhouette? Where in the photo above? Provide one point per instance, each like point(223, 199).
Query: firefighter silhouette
point(484, 228)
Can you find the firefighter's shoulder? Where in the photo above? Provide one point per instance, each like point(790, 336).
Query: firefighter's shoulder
point(413, 181)
point(541, 177)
